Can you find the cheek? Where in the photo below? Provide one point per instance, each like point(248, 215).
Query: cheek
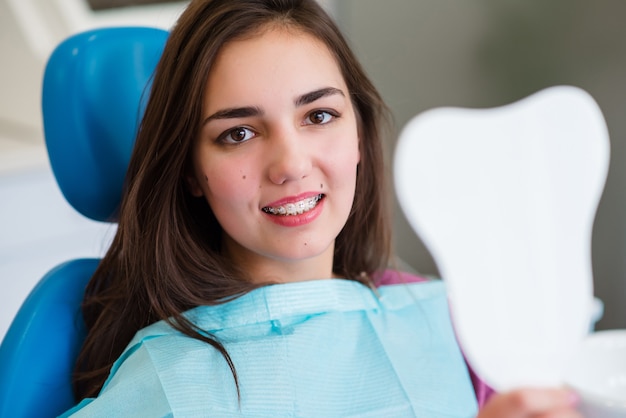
point(345, 169)
point(346, 156)
point(227, 185)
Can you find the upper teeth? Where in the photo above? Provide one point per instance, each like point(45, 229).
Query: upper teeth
point(296, 208)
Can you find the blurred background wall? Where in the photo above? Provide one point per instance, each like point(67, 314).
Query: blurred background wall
point(483, 53)
point(420, 53)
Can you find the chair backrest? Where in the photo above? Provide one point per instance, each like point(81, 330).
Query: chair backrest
point(94, 91)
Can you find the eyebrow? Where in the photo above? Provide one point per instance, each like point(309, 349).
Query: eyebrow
point(249, 111)
point(309, 98)
point(233, 113)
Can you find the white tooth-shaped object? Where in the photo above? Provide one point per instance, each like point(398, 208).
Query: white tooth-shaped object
point(504, 199)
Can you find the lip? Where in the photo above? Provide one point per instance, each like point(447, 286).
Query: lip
point(292, 199)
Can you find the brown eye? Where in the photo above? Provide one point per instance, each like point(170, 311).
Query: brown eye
point(319, 117)
point(237, 135)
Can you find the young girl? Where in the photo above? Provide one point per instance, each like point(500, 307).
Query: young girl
point(247, 276)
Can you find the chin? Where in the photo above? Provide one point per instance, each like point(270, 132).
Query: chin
point(306, 252)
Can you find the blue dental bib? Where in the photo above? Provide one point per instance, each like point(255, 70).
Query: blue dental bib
point(324, 348)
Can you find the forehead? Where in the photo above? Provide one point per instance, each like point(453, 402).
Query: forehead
point(275, 62)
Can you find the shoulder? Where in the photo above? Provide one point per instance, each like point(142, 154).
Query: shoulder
point(156, 376)
point(411, 293)
point(391, 276)
point(394, 277)
point(161, 349)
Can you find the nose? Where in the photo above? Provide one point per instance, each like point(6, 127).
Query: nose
point(289, 158)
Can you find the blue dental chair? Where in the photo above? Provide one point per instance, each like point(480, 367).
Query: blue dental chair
point(94, 91)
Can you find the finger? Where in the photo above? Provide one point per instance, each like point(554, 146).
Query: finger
point(537, 401)
point(561, 413)
point(524, 403)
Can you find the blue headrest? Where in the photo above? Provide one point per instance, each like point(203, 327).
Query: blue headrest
point(94, 91)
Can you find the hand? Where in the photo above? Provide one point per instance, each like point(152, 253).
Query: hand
point(535, 403)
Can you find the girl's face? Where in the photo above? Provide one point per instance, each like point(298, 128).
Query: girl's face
point(277, 154)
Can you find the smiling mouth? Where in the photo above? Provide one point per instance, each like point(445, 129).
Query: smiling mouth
point(295, 208)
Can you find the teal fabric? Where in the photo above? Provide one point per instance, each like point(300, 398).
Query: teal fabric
point(324, 348)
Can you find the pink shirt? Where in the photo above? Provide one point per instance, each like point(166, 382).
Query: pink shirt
point(483, 392)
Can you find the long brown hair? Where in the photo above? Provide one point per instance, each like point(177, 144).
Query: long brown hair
point(165, 257)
